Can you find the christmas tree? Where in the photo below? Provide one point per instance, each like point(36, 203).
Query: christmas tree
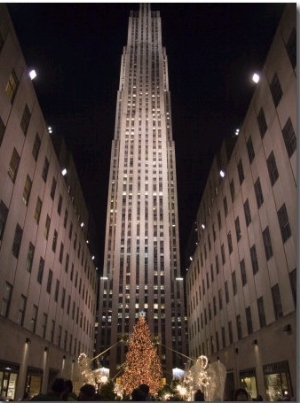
point(142, 363)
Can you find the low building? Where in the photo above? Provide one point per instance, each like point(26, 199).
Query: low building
point(241, 282)
point(48, 280)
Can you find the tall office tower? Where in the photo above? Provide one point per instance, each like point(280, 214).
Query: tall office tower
point(142, 263)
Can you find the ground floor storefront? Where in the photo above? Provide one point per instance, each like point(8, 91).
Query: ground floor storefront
point(264, 364)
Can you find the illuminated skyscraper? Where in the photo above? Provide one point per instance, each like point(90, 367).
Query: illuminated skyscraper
point(142, 260)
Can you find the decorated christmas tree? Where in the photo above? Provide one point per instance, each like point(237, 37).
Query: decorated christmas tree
point(142, 363)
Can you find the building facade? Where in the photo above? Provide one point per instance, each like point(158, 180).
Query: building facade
point(241, 281)
point(48, 280)
point(142, 260)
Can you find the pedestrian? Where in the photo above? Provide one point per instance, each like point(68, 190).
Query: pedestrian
point(69, 395)
point(199, 396)
point(138, 395)
point(241, 394)
point(55, 393)
point(87, 393)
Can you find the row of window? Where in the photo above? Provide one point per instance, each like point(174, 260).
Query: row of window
point(87, 328)
point(285, 234)
point(207, 316)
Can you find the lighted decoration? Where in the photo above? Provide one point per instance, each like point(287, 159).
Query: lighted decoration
point(142, 363)
point(210, 378)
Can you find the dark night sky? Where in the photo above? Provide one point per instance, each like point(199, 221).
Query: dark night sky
point(212, 50)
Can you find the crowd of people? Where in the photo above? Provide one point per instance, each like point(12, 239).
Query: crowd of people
point(62, 390)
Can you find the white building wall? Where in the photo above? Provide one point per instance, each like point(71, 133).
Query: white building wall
point(19, 359)
point(237, 352)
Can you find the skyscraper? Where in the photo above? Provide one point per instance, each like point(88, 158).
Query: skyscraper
point(142, 259)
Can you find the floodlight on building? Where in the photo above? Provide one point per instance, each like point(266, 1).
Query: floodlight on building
point(255, 78)
point(82, 224)
point(202, 226)
point(93, 257)
point(87, 241)
point(49, 129)
point(104, 278)
point(237, 132)
point(222, 173)
point(64, 172)
point(27, 341)
point(32, 74)
point(179, 278)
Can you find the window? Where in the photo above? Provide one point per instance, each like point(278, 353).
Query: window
point(249, 320)
point(226, 292)
point(49, 282)
point(277, 301)
point(225, 206)
point(6, 299)
point(63, 297)
point(61, 252)
point(223, 253)
point(44, 325)
point(232, 191)
point(41, 271)
point(243, 272)
point(56, 290)
point(36, 147)
point(25, 119)
point(54, 241)
point(230, 332)
point(47, 227)
point(239, 326)
point(267, 243)
point(293, 282)
point(234, 285)
point(3, 218)
point(12, 86)
point(217, 264)
point(17, 241)
point(276, 90)
point(289, 137)
point(34, 318)
point(2, 130)
point(21, 311)
point(27, 190)
point(53, 188)
point(254, 260)
point(261, 312)
point(247, 212)
point(38, 209)
point(1, 41)
point(52, 331)
point(291, 47)
point(14, 165)
point(241, 171)
point(262, 124)
point(45, 169)
point(284, 223)
point(237, 229)
point(258, 193)
point(59, 206)
point(250, 150)
point(220, 299)
point(65, 218)
point(272, 168)
point(229, 240)
point(30, 255)
point(67, 263)
point(223, 336)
